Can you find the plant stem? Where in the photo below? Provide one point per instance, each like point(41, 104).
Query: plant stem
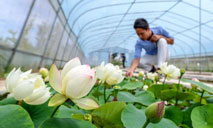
point(97, 90)
point(146, 123)
point(108, 98)
point(176, 102)
point(105, 94)
point(20, 102)
point(164, 81)
point(55, 111)
point(201, 96)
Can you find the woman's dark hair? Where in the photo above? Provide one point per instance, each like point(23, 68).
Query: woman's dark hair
point(141, 23)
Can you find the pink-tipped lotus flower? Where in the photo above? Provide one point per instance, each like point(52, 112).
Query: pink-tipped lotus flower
point(74, 82)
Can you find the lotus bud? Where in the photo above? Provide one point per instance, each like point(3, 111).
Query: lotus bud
point(116, 89)
point(155, 112)
point(196, 80)
point(182, 71)
point(141, 74)
point(44, 72)
point(88, 117)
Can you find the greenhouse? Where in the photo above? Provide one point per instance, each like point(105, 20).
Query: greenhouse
point(106, 64)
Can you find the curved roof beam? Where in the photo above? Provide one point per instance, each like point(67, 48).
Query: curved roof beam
point(94, 26)
point(111, 5)
point(196, 7)
point(117, 26)
point(184, 53)
point(185, 43)
point(187, 29)
point(182, 41)
point(150, 22)
point(82, 42)
point(102, 18)
point(193, 27)
point(110, 16)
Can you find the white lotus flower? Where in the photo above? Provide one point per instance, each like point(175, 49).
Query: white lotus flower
point(152, 76)
point(74, 82)
point(170, 71)
point(109, 73)
point(26, 86)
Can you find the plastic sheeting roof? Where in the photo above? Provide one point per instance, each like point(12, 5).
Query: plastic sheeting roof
point(107, 24)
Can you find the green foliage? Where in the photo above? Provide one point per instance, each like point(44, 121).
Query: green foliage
point(38, 113)
point(132, 85)
point(65, 112)
point(200, 84)
point(183, 108)
point(6, 101)
point(144, 98)
point(14, 116)
point(164, 123)
point(156, 89)
point(66, 123)
point(202, 116)
point(109, 115)
point(172, 94)
point(187, 115)
point(133, 117)
point(174, 113)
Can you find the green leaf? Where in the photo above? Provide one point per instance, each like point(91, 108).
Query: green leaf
point(171, 94)
point(123, 83)
point(164, 123)
point(109, 115)
point(197, 99)
point(97, 93)
point(66, 123)
point(78, 116)
point(38, 113)
point(174, 113)
point(65, 112)
point(156, 89)
point(184, 126)
point(187, 115)
point(133, 117)
point(199, 84)
point(14, 116)
point(145, 98)
point(132, 85)
point(202, 116)
point(148, 82)
point(6, 101)
point(209, 100)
